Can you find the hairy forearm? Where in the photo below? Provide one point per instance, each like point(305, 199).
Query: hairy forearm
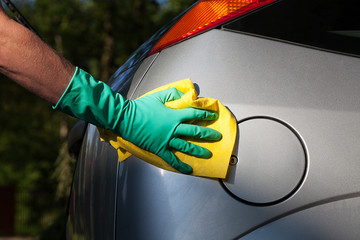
point(27, 60)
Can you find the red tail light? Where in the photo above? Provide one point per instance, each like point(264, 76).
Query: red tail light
point(204, 15)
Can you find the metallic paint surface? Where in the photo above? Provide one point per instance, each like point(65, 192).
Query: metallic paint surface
point(332, 221)
point(316, 92)
point(272, 162)
point(92, 205)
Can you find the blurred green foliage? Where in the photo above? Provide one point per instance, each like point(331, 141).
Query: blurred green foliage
point(96, 35)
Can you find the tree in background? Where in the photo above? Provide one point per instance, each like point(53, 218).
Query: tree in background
point(96, 35)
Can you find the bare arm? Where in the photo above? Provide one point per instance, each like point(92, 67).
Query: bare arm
point(31, 63)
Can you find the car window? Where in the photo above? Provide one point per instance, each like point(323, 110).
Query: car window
point(328, 24)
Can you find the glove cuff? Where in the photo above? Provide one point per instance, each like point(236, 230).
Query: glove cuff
point(90, 100)
point(57, 105)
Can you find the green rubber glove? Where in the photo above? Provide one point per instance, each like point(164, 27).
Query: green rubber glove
point(146, 122)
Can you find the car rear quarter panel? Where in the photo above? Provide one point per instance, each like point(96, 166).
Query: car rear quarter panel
point(314, 91)
point(92, 202)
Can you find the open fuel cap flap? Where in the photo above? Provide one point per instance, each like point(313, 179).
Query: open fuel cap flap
point(272, 162)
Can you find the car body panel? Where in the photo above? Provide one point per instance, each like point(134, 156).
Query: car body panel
point(314, 91)
point(332, 221)
point(92, 204)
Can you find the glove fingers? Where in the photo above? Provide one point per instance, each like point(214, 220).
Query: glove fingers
point(170, 158)
point(190, 148)
point(189, 114)
point(200, 132)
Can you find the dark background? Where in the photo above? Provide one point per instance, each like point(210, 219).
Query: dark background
point(35, 168)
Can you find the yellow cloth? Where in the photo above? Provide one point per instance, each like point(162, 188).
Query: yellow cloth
point(214, 167)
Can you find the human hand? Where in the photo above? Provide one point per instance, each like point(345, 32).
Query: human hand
point(149, 124)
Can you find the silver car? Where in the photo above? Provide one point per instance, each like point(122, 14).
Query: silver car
point(289, 71)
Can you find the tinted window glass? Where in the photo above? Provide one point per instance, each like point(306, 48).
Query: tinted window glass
point(327, 24)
